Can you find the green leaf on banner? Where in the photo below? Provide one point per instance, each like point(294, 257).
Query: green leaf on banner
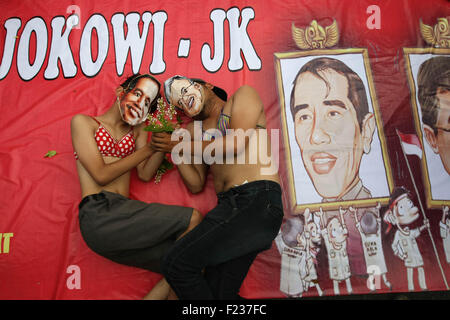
point(50, 154)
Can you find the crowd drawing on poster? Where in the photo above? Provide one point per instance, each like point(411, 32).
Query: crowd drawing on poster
point(298, 243)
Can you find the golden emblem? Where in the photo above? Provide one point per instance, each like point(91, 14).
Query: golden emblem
point(437, 36)
point(315, 36)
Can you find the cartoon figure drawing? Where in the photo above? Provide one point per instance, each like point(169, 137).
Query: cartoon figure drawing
point(291, 244)
point(444, 226)
point(369, 227)
point(313, 241)
point(335, 236)
point(402, 212)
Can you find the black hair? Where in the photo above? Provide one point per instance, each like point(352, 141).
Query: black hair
point(356, 90)
point(398, 191)
point(222, 94)
point(433, 74)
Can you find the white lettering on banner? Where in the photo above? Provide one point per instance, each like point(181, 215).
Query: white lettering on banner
point(133, 43)
point(28, 71)
point(183, 48)
point(213, 64)
point(12, 26)
point(60, 50)
point(239, 41)
point(91, 68)
point(158, 65)
point(130, 43)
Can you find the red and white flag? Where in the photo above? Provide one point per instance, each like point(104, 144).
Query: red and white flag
point(410, 143)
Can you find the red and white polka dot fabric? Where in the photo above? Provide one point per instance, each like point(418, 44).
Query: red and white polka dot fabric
point(109, 147)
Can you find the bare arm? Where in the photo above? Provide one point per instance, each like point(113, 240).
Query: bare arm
point(341, 215)
point(355, 216)
point(146, 170)
point(245, 110)
point(194, 176)
point(84, 144)
point(193, 173)
point(444, 213)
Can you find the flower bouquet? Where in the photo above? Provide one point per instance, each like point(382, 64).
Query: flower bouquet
point(163, 121)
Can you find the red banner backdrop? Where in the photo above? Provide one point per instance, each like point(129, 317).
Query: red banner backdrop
point(64, 58)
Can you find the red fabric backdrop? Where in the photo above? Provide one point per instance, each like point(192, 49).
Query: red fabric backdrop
point(39, 196)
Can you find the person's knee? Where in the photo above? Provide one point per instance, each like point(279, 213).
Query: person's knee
point(166, 265)
point(174, 266)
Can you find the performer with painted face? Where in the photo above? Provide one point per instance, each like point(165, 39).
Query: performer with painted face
point(249, 211)
point(401, 213)
point(107, 147)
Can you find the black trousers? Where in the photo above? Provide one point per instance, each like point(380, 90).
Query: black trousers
point(244, 222)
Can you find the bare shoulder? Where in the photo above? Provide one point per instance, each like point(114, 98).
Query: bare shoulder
point(82, 121)
point(246, 98)
point(247, 92)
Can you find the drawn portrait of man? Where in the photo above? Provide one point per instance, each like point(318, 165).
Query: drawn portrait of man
point(331, 127)
point(429, 76)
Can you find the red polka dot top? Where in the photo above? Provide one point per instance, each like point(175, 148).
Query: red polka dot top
point(108, 146)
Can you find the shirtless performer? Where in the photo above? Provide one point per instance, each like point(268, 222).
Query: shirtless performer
point(107, 147)
point(212, 260)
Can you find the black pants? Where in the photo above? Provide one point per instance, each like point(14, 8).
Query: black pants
point(244, 222)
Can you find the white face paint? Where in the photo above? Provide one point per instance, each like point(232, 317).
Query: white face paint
point(135, 105)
